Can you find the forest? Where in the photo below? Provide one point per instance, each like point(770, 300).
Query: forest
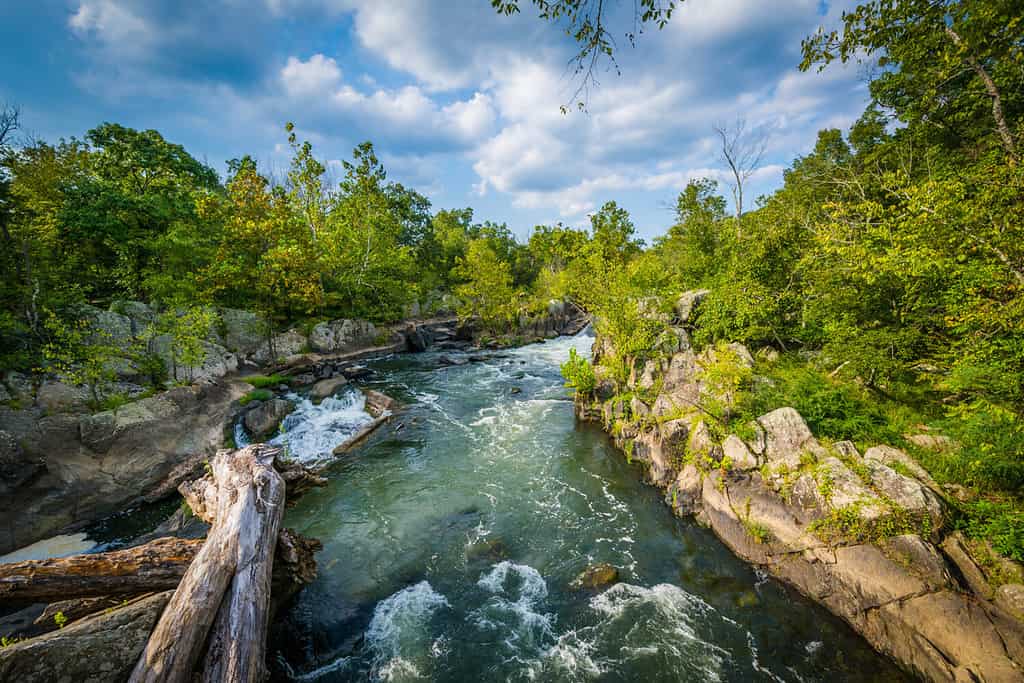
point(888, 270)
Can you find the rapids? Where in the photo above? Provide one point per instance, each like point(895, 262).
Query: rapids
point(450, 541)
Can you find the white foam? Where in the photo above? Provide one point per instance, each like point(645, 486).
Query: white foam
point(311, 432)
point(398, 634)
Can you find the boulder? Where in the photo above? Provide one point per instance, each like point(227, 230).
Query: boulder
point(921, 558)
point(378, 404)
point(738, 453)
point(286, 344)
point(955, 548)
point(139, 314)
point(16, 468)
point(931, 442)
point(102, 648)
point(110, 327)
point(595, 576)
point(19, 385)
point(217, 361)
point(342, 335)
point(684, 494)
point(1010, 597)
point(59, 397)
point(787, 437)
point(264, 419)
point(326, 387)
point(5, 396)
point(906, 492)
point(888, 455)
point(242, 332)
point(419, 338)
point(687, 304)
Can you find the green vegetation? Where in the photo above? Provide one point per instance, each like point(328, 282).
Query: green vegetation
point(264, 381)
point(579, 374)
point(256, 395)
point(60, 619)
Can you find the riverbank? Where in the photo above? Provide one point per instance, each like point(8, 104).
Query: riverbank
point(867, 535)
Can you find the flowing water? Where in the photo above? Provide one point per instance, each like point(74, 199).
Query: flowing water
point(450, 541)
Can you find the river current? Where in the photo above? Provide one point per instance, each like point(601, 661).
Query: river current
point(450, 541)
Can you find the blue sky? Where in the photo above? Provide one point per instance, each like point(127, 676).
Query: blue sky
point(460, 103)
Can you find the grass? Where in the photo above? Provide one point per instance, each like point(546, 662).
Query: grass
point(263, 381)
point(256, 395)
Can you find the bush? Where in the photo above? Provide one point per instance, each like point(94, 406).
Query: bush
point(579, 374)
point(1001, 523)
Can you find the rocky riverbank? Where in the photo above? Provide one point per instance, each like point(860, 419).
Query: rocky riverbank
point(865, 534)
point(63, 466)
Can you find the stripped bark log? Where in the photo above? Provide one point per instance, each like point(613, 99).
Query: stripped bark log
point(243, 497)
point(155, 566)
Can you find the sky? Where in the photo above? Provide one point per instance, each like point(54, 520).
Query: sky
point(461, 104)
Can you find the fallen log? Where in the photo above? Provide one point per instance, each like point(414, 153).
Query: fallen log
point(155, 566)
point(227, 586)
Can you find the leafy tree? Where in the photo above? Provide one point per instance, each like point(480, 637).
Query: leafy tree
point(487, 290)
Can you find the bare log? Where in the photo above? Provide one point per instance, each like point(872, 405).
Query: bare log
point(243, 497)
point(155, 566)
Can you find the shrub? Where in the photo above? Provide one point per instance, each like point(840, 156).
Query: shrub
point(263, 381)
point(579, 374)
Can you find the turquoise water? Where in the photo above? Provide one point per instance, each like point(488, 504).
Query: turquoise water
point(450, 543)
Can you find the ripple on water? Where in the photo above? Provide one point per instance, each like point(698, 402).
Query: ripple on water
point(399, 633)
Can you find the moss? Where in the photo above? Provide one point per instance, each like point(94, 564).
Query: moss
point(263, 381)
point(847, 524)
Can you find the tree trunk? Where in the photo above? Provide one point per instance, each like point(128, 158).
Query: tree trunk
point(155, 566)
point(244, 500)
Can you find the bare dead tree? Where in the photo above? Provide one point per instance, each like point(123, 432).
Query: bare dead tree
point(742, 151)
point(9, 123)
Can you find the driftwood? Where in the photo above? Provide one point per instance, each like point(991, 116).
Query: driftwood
point(155, 566)
point(227, 586)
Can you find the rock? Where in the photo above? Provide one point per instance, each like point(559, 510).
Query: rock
point(955, 548)
point(286, 344)
point(110, 327)
point(139, 314)
point(846, 449)
point(638, 408)
point(326, 387)
point(419, 338)
point(243, 332)
point(99, 649)
point(19, 385)
point(684, 494)
point(787, 437)
point(515, 390)
point(921, 558)
point(595, 576)
point(932, 442)
point(888, 455)
point(905, 492)
point(144, 448)
point(16, 468)
point(264, 419)
point(738, 452)
point(60, 397)
point(489, 550)
point(687, 304)
point(378, 404)
point(5, 395)
point(216, 363)
point(1010, 597)
point(303, 380)
point(449, 361)
point(872, 578)
point(342, 335)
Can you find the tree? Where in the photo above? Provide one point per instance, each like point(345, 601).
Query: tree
point(586, 22)
point(612, 234)
point(951, 65)
point(742, 151)
point(693, 248)
point(487, 290)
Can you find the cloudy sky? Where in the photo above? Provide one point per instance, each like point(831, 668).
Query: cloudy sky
point(461, 104)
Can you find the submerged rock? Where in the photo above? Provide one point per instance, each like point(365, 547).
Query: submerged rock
point(595, 576)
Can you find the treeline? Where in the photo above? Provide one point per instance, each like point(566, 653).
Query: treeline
point(126, 215)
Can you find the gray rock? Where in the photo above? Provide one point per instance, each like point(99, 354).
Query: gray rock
point(342, 335)
point(595, 576)
point(19, 385)
point(787, 437)
point(955, 548)
point(216, 363)
point(112, 328)
point(1010, 596)
point(921, 558)
point(889, 455)
point(139, 314)
point(905, 492)
point(377, 404)
point(16, 467)
point(326, 387)
point(60, 397)
point(419, 339)
point(243, 332)
point(687, 304)
point(286, 344)
point(264, 419)
point(738, 452)
point(102, 648)
point(684, 494)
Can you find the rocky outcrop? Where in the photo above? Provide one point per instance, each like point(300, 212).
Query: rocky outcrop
point(342, 335)
point(326, 387)
point(263, 419)
point(97, 649)
point(62, 469)
point(861, 534)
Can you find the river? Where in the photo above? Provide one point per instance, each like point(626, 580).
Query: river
point(450, 543)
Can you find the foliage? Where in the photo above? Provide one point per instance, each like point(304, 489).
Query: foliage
point(725, 377)
point(579, 374)
point(81, 352)
point(486, 291)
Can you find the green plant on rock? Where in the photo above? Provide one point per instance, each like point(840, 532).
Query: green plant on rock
point(256, 395)
point(579, 374)
point(264, 381)
point(725, 377)
point(60, 619)
point(759, 532)
point(81, 352)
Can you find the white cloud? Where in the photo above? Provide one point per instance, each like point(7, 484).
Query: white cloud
point(113, 25)
point(313, 77)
